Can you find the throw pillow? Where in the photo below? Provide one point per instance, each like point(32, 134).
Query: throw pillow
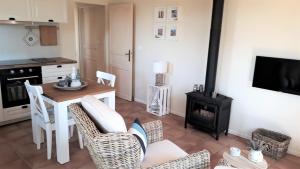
point(105, 118)
point(139, 132)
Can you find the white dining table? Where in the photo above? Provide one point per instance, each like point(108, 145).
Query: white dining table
point(61, 99)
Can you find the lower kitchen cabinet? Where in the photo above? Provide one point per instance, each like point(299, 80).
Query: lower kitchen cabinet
point(54, 73)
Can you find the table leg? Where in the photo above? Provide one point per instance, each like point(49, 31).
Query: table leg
point(62, 132)
point(110, 100)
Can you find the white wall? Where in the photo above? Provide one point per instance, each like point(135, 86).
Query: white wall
point(191, 47)
point(267, 28)
point(12, 45)
point(250, 28)
point(187, 56)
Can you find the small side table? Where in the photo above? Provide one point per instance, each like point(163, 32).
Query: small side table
point(243, 162)
point(158, 99)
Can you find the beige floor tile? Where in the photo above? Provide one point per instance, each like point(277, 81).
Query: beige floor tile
point(17, 150)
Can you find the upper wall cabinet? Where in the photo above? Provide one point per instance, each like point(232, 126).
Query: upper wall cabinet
point(49, 10)
point(15, 10)
point(34, 10)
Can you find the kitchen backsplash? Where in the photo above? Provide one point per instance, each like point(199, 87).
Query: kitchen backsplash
point(12, 45)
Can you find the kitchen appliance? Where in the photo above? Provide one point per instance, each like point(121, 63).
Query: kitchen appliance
point(12, 85)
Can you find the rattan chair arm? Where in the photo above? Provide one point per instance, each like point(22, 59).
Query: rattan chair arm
point(83, 123)
point(154, 131)
point(115, 150)
point(199, 160)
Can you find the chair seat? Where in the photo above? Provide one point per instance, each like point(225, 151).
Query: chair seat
point(52, 119)
point(161, 152)
point(51, 115)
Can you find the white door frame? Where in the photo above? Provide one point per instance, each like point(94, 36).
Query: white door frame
point(78, 3)
point(131, 54)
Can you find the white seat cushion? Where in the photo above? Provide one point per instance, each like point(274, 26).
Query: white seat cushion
point(161, 152)
point(105, 118)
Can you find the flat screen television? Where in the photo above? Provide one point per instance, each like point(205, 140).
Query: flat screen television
point(277, 74)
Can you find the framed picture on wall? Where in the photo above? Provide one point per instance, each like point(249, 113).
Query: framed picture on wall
point(171, 31)
point(172, 13)
point(160, 14)
point(159, 31)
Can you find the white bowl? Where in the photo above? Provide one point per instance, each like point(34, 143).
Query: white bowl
point(234, 151)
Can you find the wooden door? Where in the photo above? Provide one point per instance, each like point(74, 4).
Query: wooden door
point(92, 40)
point(47, 10)
point(20, 10)
point(121, 46)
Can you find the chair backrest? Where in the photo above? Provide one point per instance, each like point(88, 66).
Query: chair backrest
point(106, 76)
point(110, 150)
point(37, 103)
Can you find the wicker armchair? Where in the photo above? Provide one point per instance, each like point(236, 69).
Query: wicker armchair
point(122, 150)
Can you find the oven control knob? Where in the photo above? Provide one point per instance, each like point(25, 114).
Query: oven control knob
point(21, 71)
point(30, 70)
point(12, 72)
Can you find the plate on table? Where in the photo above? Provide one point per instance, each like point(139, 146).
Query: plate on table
point(83, 84)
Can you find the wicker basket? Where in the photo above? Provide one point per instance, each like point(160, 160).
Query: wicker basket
point(276, 144)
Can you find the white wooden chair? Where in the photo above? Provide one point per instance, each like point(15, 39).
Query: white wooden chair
point(103, 76)
point(44, 118)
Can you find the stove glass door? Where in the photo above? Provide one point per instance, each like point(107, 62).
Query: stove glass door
point(14, 91)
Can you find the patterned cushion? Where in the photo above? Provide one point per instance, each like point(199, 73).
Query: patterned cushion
point(139, 132)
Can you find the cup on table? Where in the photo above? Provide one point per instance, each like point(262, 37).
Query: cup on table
point(234, 151)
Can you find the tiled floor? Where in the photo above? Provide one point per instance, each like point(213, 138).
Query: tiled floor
point(18, 152)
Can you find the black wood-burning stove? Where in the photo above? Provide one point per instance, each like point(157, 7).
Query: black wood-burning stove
point(207, 113)
point(202, 110)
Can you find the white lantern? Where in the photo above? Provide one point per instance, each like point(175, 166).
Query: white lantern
point(160, 69)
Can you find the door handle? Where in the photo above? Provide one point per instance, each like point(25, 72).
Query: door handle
point(128, 54)
point(21, 78)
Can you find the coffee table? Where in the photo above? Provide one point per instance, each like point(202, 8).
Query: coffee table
point(243, 162)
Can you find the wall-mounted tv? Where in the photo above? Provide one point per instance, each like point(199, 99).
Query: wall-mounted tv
point(277, 74)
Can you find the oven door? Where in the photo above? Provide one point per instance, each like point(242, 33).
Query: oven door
point(14, 91)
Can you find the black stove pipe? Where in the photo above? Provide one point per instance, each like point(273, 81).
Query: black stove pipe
point(214, 44)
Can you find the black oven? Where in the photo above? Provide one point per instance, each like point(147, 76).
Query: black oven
point(12, 85)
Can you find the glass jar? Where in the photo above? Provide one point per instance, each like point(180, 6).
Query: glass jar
point(195, 88)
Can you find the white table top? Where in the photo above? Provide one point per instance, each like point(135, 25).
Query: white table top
point(243, 162)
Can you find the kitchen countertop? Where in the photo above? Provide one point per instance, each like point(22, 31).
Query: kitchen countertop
point(9, 64)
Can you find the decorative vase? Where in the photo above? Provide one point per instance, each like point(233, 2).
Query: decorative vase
point(255, 156)
point(75, 83)
point(74, 73)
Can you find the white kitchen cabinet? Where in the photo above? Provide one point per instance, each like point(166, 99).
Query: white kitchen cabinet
point(34, 10)
point(49, 10)
point(16, 112)
point(54, 73)
point(20, 10)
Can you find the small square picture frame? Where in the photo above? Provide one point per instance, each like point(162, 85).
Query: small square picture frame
point(160, 14)
point(171, 31)
point(172, 13)
point(159, 31)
